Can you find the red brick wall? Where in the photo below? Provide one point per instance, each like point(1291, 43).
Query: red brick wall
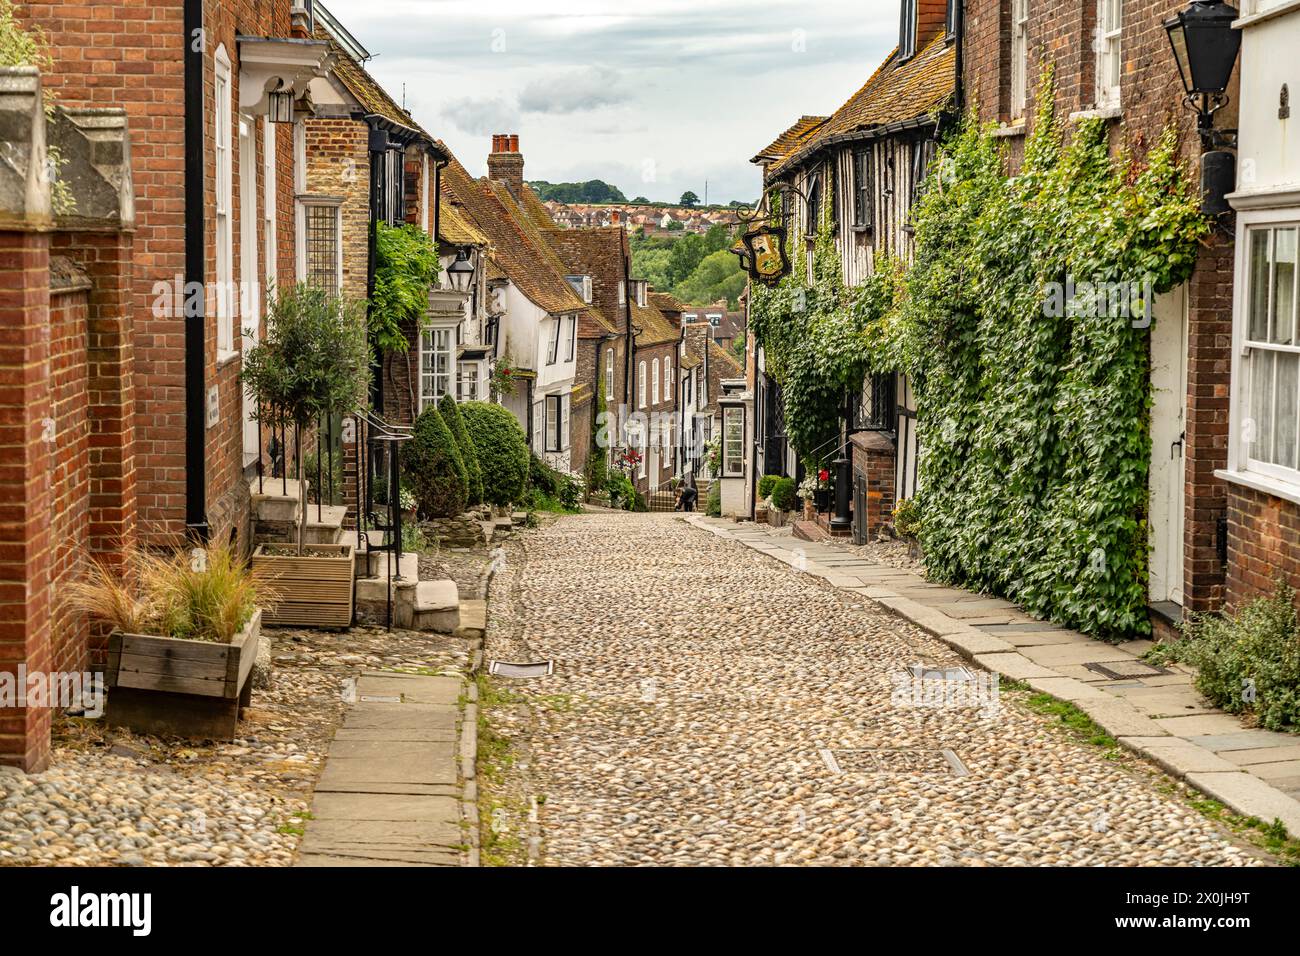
point(26, 531)
point(69, 474)
point(874, 459)
point(130, 54)
point(1263, 538)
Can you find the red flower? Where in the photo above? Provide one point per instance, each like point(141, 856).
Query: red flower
point(823, 475)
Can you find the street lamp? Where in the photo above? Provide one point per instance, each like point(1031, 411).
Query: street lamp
point(461, 272)
point(279, 106)
point(1205, 49)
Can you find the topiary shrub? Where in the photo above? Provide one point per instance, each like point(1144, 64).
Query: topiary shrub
point(502, 451)
point(766, 484)
point(450, 412)
point(785, 494)
point(433, 468)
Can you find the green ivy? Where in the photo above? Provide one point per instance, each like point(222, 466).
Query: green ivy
point(1034, 475)
point(406, 268)
point(1036, 442)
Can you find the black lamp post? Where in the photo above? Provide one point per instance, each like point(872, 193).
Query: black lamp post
point(1205, 48)
point(461, 272)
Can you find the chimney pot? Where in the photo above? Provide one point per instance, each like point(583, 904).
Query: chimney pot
point(505, 164)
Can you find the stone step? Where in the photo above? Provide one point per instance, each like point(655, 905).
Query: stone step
point(328, 527)
point(436, 607)
point(519, 517)
point(277, 501)
point(473, 620)
point(810, 531)
point(375, 564)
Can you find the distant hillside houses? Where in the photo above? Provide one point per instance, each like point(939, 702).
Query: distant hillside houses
point(654, 219)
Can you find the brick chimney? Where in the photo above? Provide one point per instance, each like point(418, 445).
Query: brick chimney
point(505, 163)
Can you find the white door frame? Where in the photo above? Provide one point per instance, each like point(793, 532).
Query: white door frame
point(249, 310)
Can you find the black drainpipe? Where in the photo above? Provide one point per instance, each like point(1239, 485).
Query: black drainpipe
point(196, 512)
point(378, 150)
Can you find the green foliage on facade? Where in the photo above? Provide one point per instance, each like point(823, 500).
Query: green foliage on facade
point(450, 412)
point(406, 268)
point(433, 469)
point(502, 451)
point(1034, 477)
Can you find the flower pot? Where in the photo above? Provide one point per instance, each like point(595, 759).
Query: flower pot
point(809, 511)
point(316, 588)
point(822, 499)
point(168, 685)
point(776, 518)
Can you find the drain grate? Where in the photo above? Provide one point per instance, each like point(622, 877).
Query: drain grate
point(926, 672)
point(507, 669)
point(1127, 670)
point(895, 761)
point(374, 699)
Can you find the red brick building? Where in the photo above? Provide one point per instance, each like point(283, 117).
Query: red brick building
point(1113, 60)
point(124, 415)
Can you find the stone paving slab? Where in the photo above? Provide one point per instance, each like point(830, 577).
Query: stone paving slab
point(1261, 755)
point(1160, 716)
point(391, 791)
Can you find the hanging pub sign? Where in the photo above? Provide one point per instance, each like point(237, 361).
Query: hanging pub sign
point(766, 261)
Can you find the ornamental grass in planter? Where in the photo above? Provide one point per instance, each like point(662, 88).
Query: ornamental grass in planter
point(314, 362)
point(186, 629)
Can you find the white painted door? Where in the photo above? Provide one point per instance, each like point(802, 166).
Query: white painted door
point(249, 298)
point(1168, 444)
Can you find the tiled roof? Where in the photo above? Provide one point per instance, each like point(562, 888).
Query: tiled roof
point(791, 139)
point(368, 93)
point(516, 245)
point(896, 92)
point(598, 253)
point(665, 301)
point(730, 368)
point(656, 328)
point(456, 228)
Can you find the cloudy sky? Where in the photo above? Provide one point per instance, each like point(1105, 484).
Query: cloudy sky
point(653, 96)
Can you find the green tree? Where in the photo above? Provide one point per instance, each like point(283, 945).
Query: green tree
point(686, 253)
point(406, 268)
point(502, 451)
point(718, 276)
point(451, 415)
point(433, 468)
point(314, 362)
point(689, 199)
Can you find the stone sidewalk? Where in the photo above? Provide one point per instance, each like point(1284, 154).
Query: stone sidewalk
point(1153, 711)
point(398, 785)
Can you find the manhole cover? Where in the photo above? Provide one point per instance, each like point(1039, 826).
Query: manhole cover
point(507, 669)
point(1127, 670)
point(909, 761)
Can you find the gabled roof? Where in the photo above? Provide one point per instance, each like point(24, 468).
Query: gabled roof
point(656, 328)
point(515, 245)
point(598, 253)
point(665, 302)
point(898, 92)
point(790, 140)
point(729, 364)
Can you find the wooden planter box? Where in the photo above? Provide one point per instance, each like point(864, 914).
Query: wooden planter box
point(314, 591)
point(165, 685)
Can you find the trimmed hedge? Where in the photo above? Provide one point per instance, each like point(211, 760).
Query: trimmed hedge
point(785, 495)
point(433, 467)
point(450, 412)
point(766, 484)
point(502, 451)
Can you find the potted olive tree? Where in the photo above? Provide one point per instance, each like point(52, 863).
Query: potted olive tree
point(314, 361)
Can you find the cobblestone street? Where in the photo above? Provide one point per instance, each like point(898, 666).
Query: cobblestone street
point(699, 690)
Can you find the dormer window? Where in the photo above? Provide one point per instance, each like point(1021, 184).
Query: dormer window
point(639, 291)
point(907, 30)
point(582, 286)
point(950, 20)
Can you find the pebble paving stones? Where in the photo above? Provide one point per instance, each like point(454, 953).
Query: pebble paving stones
point(697, 688)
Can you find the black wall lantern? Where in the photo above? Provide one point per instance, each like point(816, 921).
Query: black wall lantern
point(1205, 48)
point(461, 272)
